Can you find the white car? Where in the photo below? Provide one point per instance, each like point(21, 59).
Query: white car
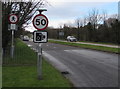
point(25, 38)
point(71, 39)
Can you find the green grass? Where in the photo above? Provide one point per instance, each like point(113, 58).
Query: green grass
point(105, 43)
point(100, 48)
point(26, 76)
point(23, 55)
point(23, 71)
point(99, 43)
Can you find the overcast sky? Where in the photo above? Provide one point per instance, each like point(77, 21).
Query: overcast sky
point(61, 12)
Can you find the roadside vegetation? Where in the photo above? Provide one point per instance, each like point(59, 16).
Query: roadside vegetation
point(100, 48)
point(100, 43)
point(94, 27)
point(23, 55)
point(21, 71)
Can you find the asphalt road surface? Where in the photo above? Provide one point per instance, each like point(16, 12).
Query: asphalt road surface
point(83, 67)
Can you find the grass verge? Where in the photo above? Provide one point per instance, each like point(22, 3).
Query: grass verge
point(100, 48)
point(23, 55)
point(100, 43)
point(23, 71)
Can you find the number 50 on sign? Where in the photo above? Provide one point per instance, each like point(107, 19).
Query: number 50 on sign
point(40, 22)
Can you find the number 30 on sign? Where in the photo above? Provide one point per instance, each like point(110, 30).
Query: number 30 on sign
point(40, 22)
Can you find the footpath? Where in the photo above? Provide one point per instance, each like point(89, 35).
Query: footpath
point(105, 45)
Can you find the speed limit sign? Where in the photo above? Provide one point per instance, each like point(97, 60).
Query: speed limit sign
point(40, 22)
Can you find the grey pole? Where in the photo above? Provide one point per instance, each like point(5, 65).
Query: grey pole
point(12, 45)
point(39, 61)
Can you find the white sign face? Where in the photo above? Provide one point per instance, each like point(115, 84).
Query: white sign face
point(13, 26)
point(40, 37)
point(40, 22)
point(13, 19)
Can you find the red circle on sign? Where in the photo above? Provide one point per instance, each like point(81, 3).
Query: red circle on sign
point(46, 22)
point(16, 18)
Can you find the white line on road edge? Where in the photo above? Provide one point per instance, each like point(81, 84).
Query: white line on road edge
point(29, 45)
point(105, 45)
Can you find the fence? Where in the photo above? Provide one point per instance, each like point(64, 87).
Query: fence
point(23, 55)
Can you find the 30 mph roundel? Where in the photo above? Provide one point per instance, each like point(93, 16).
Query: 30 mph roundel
point(40, 22)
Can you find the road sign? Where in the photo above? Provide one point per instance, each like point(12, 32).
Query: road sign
point(40, 22)
point(13, 19)
point(40, 37)
point(13, 26)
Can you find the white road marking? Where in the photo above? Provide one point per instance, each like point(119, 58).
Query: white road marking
point(29, 45)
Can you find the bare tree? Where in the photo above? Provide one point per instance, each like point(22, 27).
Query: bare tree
point(94, 18)
point(84, 21)
point(115, 16)
point(104, 16)
point(24, 10)
point(78, 23)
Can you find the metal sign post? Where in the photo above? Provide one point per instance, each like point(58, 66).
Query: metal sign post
point(12, 45)
point(40, 37)
point(13, 19)
point(40, 22)
point(39, 61)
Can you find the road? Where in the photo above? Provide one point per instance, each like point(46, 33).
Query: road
point(83, 67)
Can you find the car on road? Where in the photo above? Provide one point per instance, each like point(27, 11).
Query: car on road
point(25, 38)
point(71, 39)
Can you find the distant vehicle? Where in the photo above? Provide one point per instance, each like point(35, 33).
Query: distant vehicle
point(25, 38)
point(71, 39)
